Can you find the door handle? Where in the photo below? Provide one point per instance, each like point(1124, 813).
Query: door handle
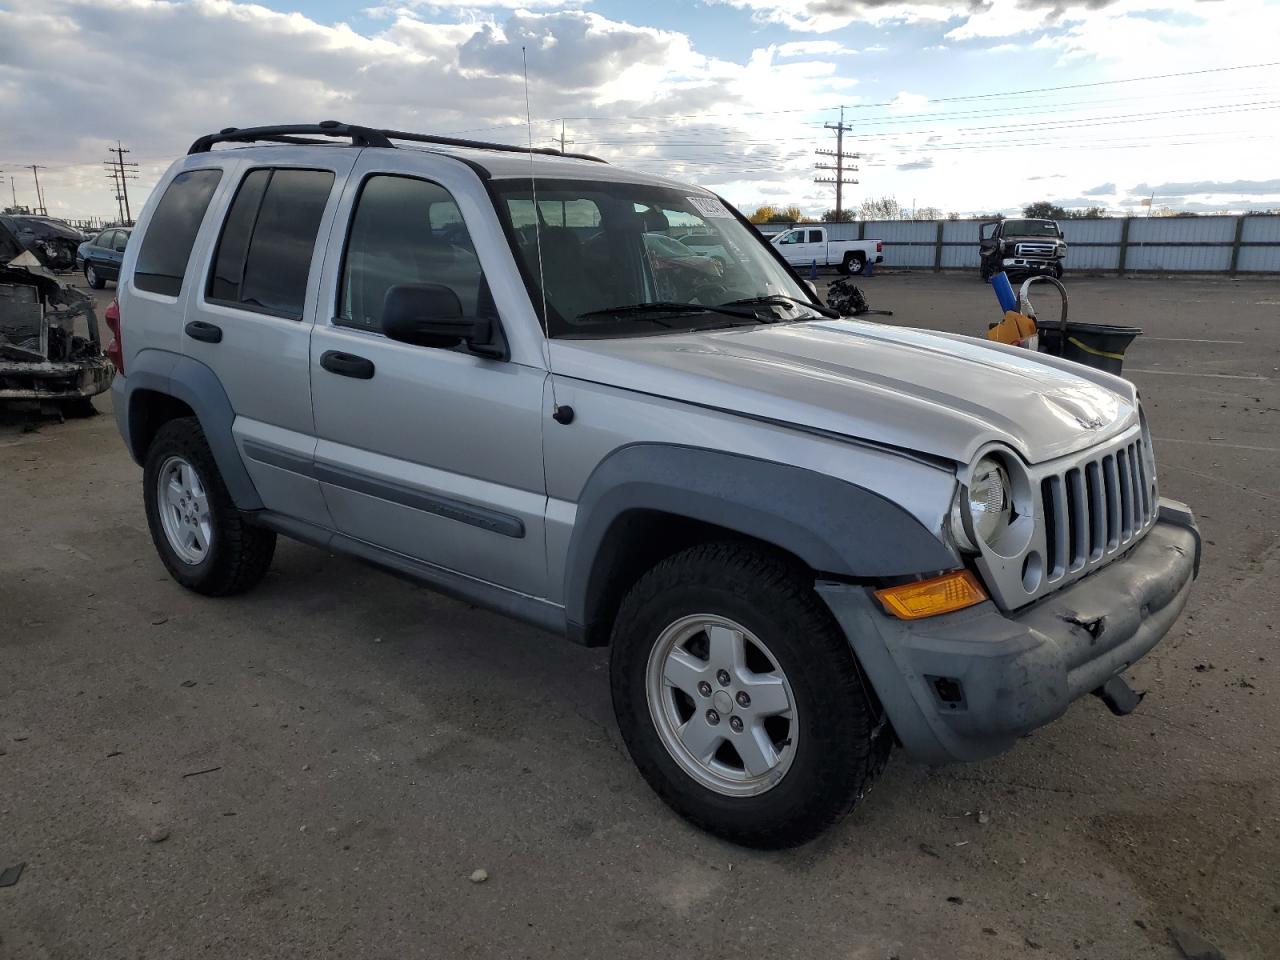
point(208, 332)
point(347, 365)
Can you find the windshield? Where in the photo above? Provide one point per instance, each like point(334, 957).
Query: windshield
point(608, 245)
point(1030, 228)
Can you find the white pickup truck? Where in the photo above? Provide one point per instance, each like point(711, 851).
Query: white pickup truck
point(829, 245)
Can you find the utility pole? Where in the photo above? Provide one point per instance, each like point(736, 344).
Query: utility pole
point(839, 167)
point(13, 190)
point(40, 207)
point(114, 176)
point(563, 141)
point(123, 171)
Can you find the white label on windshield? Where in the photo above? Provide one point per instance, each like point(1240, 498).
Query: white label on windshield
point(710, 207)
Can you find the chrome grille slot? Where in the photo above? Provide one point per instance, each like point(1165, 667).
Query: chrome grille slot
point(1097, 510)
point(1077, 520)
point(1112, 489)
point(1055, 526)
point(1126, 496)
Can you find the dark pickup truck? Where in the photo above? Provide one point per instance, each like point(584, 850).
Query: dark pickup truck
point(1022, 247)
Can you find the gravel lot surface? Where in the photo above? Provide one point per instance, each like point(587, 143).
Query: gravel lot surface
point(317, 768)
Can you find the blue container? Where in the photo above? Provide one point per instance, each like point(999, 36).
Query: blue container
point(1004, 292)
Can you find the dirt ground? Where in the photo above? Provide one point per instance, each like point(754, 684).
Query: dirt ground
point(316, 768)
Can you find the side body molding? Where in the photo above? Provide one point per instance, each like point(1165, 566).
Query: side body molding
point(197, 386)
point(835, 527)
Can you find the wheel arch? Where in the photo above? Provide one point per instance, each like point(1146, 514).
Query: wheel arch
point(646, 501)
point(161, 386)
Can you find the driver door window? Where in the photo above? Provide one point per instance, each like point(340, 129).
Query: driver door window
point(406, 231)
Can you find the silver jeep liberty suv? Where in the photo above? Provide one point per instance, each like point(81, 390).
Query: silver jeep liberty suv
point(506, 374)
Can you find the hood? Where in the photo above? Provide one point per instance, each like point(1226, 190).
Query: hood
point(932, 393)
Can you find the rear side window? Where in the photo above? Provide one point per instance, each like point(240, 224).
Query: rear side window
point(264, 253)
point(166, 248)
point(105, 239)
point(815, 236)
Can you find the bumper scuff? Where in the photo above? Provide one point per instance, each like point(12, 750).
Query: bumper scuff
point(1018, 672)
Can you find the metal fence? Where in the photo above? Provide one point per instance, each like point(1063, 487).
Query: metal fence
point(1230, 245)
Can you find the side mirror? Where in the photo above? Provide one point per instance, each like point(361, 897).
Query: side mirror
point(430, 315)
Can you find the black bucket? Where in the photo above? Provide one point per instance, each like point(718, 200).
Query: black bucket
point(1097, 345)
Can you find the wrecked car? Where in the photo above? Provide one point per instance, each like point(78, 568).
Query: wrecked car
point(43, 362)
point(53, 242)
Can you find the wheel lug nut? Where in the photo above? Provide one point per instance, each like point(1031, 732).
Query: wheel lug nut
point(713, 717)
point(736, 724)
point(722, 677)
point(743, 699)
point(704, 688)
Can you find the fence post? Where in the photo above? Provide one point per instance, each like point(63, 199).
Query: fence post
point(862, 229)
point(1124, 244)
point(1235, 247)
point(937, 250)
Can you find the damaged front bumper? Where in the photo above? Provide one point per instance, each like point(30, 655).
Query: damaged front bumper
point(1029, 265)
point(967, 685)
point(55, 380)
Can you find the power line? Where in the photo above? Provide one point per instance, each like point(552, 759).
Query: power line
point(600, 118)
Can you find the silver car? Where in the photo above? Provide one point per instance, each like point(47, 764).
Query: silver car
point(806, 539)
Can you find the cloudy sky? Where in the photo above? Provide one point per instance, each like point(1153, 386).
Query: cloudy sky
point(964, 105)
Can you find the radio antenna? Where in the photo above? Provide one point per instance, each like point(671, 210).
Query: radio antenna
point(537, 212)
point(561, 414)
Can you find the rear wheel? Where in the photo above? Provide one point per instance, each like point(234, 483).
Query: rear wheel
point(203, 540)
point(853, 264)
point(92, 277)
point(739, 698)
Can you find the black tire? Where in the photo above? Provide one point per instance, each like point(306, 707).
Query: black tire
point(239, 554)
point(93, 278)
point(854, 265)
point(1057, 271)
point(841, 745)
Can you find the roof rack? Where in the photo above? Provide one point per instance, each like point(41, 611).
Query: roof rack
point(304, 133)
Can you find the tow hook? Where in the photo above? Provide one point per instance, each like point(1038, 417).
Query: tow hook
point(1120, 698)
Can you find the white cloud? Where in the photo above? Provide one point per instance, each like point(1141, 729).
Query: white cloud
point(906, 102)
point(812, 48)
point(192, 67)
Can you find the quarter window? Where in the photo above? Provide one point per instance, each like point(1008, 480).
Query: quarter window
point(264, 254)
point(166, 248)
point(406, 231)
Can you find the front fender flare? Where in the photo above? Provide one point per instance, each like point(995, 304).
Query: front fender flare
point(835, 527)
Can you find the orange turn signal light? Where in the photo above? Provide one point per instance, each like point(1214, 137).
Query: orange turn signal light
point(928, 598)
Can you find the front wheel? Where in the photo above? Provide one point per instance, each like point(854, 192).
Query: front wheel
point(1057, 271)
point(92, 277)
point(739, 698)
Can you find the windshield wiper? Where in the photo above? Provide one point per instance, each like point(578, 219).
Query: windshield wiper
point(781, 297)
point(668, 306)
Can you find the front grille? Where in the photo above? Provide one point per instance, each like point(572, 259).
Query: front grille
point(1096, 509)
point(1035, 249)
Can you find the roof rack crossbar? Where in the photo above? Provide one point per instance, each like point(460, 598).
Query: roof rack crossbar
point(359, 137)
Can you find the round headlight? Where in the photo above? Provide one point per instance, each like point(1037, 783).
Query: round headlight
point(990, 499)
